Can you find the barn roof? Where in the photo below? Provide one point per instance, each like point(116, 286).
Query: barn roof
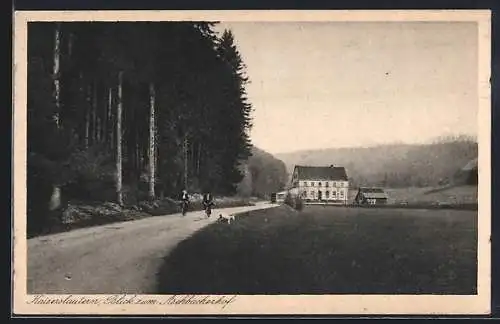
point(371, 190)
point(321, 173)
point(472, 165)
point(375, 193)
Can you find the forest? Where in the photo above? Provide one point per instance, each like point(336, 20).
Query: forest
point(430, 164)
point(263, 174)
point(127, 112)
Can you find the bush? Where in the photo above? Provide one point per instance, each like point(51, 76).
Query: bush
point(299, 205)
point(289, 200)
point(294, 201)
point(88, 175)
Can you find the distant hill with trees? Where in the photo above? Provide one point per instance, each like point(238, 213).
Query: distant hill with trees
point(396, 165)
point(264, 174)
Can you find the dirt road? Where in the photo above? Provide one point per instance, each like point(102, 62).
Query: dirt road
point(111, 259)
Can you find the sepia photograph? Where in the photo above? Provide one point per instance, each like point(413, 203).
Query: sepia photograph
point(252, 162)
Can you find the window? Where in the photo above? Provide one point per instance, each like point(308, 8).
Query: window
point(312, 184)
point(319, 184)
point(327, 194)
point(342, 193)
point(326, 184)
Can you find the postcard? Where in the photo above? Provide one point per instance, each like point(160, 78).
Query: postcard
point(252, 162)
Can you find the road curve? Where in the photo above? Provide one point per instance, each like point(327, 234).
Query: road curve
point(111, 259)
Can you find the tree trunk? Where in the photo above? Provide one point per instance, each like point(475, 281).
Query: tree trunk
point(192, 161)
point(157, 158)
point(99, 127)
point(119, 195)
point(87, 119)
point(94, 113)
point(70, 44)
point(198, 157)
point(137, 152)
point(110, 117)
point(56, 75)
point(185, 162)
point(55, 198)
point(104, 134)
point(152, 97)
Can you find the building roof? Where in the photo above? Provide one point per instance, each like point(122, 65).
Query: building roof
point(321, 173)
point(371, 190)
point(373, 193)
point(472, 165)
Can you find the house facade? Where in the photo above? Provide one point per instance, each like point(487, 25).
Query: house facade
point(321, 184)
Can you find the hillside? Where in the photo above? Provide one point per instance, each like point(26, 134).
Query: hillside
point(395, 165)
point(264, 174)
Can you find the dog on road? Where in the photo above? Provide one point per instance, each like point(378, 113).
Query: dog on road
point(226, 218)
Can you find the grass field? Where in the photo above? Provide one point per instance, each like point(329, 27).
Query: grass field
point(329, 250)
point(414, 195)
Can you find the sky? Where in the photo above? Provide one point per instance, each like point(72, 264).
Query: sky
point(348, 84)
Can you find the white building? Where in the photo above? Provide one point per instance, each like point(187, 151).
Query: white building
point(328, 184)
point(280, 196)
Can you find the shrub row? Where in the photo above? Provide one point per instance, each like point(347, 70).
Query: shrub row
point(79, 214)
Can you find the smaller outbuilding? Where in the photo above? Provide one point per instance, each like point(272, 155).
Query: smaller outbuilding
point(371, 196)
point(278, 197)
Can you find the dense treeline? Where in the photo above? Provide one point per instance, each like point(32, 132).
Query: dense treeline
point(264, 174)
point(131, 111)
point(395, 165)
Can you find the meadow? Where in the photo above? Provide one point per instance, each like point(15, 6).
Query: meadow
point(328, 250)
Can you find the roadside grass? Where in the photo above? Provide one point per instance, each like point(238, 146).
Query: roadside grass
point(78, 214)
point(324, 250)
